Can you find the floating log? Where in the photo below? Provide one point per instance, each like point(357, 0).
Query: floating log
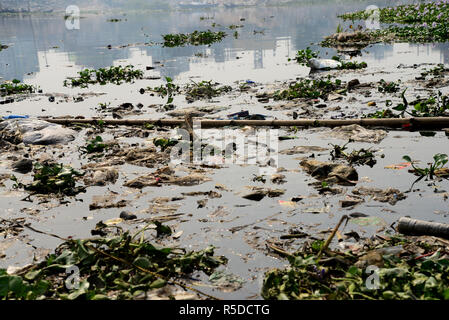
point(432, 123)
point(416, 227)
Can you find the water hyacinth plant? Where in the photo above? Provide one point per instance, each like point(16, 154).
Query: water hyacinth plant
point(94, 146)
point(15, 87)
point(168, 90)
point(423, 13)
point(342, 275)
point(196, 38)
point(116, 75)
point(114, 267)
point(303, 56)
point(308, 88)
point(52, 179)
point(424, 22)
point(388, 87)
point(437, 105)
point(204, 90)
point(350, 65)
point(435, 168)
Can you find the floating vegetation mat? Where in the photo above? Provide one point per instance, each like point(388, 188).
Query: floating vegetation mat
point(52, 178)
point(425, 22)
point(308, 88)
point(196, 38)
point(115, 75)
point(117, 266)
point(389, 267)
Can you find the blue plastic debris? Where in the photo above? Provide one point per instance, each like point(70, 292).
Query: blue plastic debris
point(250, 82)
point(15, 117)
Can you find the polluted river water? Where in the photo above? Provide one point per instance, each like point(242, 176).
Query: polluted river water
point(43, 53)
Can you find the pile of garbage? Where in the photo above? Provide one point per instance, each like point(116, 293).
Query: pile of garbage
point(390, 266)
point(118, 265)
point(34, 131)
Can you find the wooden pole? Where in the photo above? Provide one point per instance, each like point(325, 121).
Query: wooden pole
point(332, 235)
point(433, 123)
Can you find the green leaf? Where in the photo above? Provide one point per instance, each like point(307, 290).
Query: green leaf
point(4, 285)
point(84, 285)
point(161, 229)
point(99, 297)
point(446, 294)
point(40, 288)
point(158, 283)
point(142, 262)
point(31, 275)
point(11, 284)
point(407, 158)
point(400, 107)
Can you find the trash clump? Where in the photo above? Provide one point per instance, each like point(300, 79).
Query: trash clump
point(101, 176)
point(258, 193)
point(112, 267)
point(302, 149)
point(358, 133)
point(406, 268)
point(145, 157)
point(330, 172)
point(33, 131)
point(349, 65)
point(23, 166)
point(390, 195)
point(309, 58)
point(356, 157)
point(106, 202)
point(102, 76)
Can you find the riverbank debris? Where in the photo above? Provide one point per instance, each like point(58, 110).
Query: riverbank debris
point(34, 131)
point(417, 269)
point(114, 267)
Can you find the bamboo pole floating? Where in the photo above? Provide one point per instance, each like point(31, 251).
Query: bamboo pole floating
point(332, 235)
point(423, 228)
point(434, 123)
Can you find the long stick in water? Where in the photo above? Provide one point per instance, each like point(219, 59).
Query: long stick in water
point(328, 241)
